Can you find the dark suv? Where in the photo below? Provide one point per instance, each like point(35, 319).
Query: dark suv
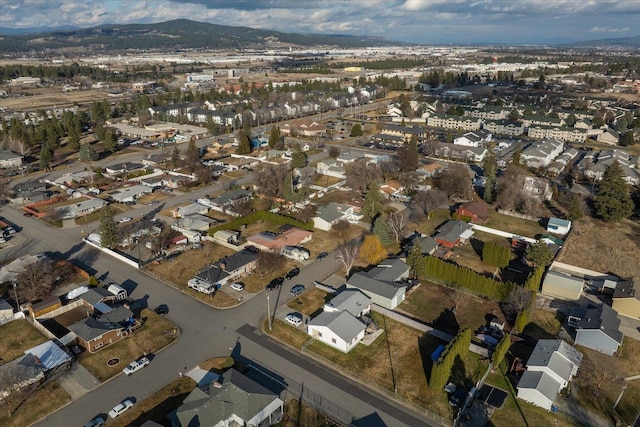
point(292, 273)
point(275, 283)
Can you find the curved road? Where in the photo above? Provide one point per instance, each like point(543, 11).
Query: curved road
point(206, 333)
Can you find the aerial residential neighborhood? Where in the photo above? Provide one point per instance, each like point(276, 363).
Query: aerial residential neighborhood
point(316, 230)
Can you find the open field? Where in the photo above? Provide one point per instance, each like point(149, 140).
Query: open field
point(433, 304)
point(327, 241)
point(17, 337)
point(156, 333)
point(604, 247)
point(515, 225)
point(46, 399)
point(46, 97)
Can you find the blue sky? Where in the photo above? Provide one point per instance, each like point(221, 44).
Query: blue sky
point(416, 21)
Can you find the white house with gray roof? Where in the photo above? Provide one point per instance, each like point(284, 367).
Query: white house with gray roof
point(338, 329)
point(332, 213)
point(382, 283)
point(129, 194)
point(550, 367)
point(9, 159)
point(81, 208)
point(597, 328)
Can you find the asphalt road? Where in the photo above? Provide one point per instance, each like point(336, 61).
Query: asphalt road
point(205, 333)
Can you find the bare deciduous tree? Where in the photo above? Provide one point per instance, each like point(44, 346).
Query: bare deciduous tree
point(12, 379)
point(307, 213)
point(518, 300)
point(34, 281)
point(397, 223)
point(270, 179)
point(347, 255)
point(456, 182)
point(424, 202)
point(360, 175)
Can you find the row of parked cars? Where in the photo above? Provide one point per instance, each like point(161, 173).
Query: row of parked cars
point(128, 403)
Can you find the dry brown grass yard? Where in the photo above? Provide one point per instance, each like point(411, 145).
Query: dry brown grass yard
point(46, 97)
point(17, 337)
point(156, 333)
point(433, 303)
point(604, 247)
point(46, 399)
point(309, 302)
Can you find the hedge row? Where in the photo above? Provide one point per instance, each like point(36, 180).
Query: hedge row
point(430, 266)
point(441, 369)
point(495, 254)
point(273, 218)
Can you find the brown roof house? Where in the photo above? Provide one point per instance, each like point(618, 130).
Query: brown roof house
point(478, 211)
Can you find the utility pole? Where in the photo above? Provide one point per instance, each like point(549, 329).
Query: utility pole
point(269, 309)
point(15, 293)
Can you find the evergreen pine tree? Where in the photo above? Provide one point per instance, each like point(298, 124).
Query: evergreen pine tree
point(613, 201)
point(108, 230)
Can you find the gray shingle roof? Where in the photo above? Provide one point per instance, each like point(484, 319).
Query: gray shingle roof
point(350, 300)
point(540, 381)
point(343, 324)
point(238, 395)
point(603, 318)
point(386, 289)
point(557, 355)
point(451, 230)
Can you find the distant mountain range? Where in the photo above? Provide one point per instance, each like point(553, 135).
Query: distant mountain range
point(632, 41)
point(175, 34)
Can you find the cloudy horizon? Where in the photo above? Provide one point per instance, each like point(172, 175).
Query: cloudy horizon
point(413, 21)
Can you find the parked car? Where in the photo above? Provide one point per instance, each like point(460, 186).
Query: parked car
point(294, 318)
point(125, 219)
point(297, 290)
point(10, 230)
point(162, 309)
point(292, 273)
point(27, 214)
point(237, 286)
point(136, 365)
point(322, 255)
point(120, 408)
point(96, 422)
point(275, 283)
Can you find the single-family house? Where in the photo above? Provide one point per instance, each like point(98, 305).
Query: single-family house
point(550, 367)
point(609, 136)
point(562, 286)
point(537, 188)
point(558, 226)
point(190, 209)
point(430, 170)
point(597, 328)
point(20, 373)
point(95, 333)
point(332, 168)
point(382, 283)
point(453, 233)
point(394, 190)
point(223, 271)
point(352, 301)
point(10, 160)
point(427, 244)
point(332, 213)
point(338, 329)
point(122, 168)
point(233, 400)
point(84, 207)
point(626, 298)
point(194, 222)
point(478, 211)
point(274, 242)
point(227, 200)
point(129, 194)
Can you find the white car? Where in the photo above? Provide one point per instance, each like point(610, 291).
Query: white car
point(135, 365)
point(294, 318)
point(120, 408)
point(96, 422)
point(237, 287)
point(125, 219)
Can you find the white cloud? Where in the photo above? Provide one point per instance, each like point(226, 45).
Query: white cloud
point(609, 30)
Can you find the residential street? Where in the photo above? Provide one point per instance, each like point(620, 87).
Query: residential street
point(205, 333)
